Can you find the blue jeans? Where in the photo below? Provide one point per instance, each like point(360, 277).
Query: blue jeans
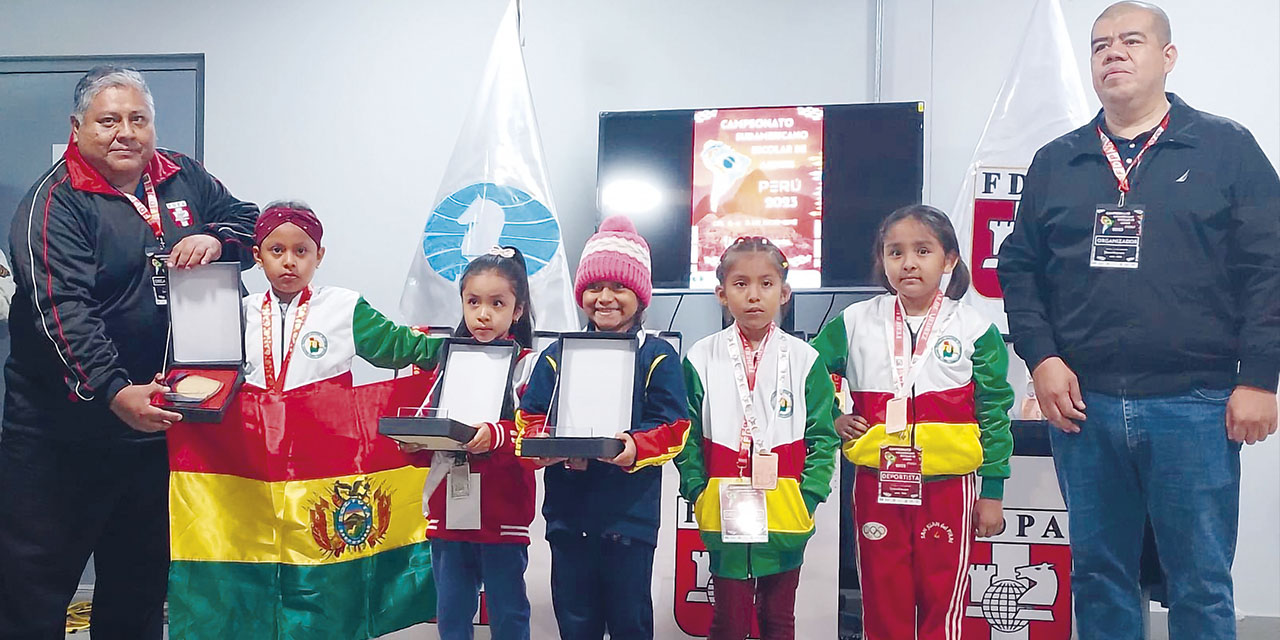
point(601, 583)
point(1167, 458)
point(459, 569)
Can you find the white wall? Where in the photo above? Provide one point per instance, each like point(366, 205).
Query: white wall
point(355, 107)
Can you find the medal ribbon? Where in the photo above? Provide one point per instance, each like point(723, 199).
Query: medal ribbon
point(901, 368)
point(1113, 156)
point(151, 212)
point(744, 379)
point(268, 362)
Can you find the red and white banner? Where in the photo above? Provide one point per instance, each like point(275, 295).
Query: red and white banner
point(1020, 581)
point(1041, 99)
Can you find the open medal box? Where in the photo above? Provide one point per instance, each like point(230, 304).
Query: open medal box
point(471, 388)
point(204, 367)
point(592, 401)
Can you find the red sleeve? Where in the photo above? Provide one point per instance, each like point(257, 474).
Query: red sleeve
point(660, 444)
point(502, 436)
point(528, 425)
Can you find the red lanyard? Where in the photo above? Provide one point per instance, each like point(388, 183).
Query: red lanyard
point(268, 362)
point(151, 212)
point(751, 359)
point(901, 369)
point(1113, 156)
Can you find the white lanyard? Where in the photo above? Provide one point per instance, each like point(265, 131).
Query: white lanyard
point(751, 423)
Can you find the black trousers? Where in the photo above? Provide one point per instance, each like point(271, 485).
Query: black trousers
point(599, 584)
point(61, 502)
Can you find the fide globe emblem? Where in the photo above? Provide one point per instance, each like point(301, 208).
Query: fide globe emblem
point(1000, 605)
point(458, 229)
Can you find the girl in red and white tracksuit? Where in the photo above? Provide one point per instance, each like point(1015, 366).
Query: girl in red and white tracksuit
point(493, 551)
point(930, 411)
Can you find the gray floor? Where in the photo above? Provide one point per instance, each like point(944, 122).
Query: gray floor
point(1248, 629)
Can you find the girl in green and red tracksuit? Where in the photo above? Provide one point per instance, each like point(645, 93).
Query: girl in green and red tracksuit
point(930, 410)
point(760, 408)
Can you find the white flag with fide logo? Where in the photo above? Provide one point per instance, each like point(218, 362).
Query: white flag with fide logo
point(495, 191)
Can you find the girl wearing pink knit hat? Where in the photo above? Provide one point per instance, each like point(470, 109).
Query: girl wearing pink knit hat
point(602, 515)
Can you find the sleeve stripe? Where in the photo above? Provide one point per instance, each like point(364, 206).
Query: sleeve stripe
point(652, 367)
point(671, 451)
point(82, 379)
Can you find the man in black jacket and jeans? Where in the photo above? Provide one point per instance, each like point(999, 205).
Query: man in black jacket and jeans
point(1142, 285)
point(83, 466)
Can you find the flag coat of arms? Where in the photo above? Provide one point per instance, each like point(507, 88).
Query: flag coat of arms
point(293, 518)
point(1041, 98)
point(495, 191)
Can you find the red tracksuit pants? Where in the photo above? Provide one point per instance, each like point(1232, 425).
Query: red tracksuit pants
point(913, 561)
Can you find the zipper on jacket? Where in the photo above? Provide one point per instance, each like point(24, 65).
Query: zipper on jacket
point(911, 399)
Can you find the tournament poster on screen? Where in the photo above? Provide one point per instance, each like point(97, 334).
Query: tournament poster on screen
point(758, 172)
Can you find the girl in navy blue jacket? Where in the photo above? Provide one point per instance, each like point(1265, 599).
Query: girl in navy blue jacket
point(602, 515)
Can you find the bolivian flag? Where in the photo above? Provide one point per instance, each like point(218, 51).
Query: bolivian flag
point(293, 519)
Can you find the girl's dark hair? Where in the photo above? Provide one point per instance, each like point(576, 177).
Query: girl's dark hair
point(750, 244)
point(940, 225)
point(509, 263)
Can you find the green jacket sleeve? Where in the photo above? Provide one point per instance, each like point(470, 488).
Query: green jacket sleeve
point(993, 397)
point(386, 344)
point(820, 439)
point(832, 344)
point(690, 462)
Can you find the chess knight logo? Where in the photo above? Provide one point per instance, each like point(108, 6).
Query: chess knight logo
point(996, 192)
point(350, 517)
point(1019, 591)
point(1009, 604)
point(181, 215)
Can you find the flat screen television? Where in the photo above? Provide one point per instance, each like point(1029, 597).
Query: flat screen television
point(815, 179)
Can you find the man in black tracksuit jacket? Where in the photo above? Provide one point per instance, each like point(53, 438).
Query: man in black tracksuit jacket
point(83, 466)
point(1147, 307)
